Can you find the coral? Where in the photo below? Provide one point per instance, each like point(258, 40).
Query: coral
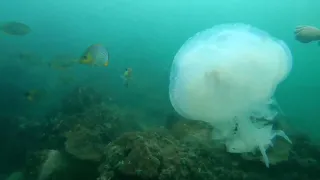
point(106, 121)
point(162, 154)
point(105, 142)
point(88, 132)
point(136, 155)
point(155, 155)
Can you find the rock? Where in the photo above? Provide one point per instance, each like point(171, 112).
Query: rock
point(84, 144)
point(88, 133)
point(172, 154)
point(191, 130)
point(158, 155)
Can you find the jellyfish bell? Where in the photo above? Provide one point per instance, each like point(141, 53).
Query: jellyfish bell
point(230, 71)
point(227, 70)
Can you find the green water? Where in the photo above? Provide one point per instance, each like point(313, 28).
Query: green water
point(145, 35)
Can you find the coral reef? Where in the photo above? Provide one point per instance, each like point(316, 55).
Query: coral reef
point(77, 131)
point(85, 125)
point(87, 133)
point(161, 154)
point(97, 141)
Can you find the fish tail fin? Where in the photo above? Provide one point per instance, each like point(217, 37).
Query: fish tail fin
point(126, 82)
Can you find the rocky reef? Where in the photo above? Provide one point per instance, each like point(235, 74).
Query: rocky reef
point(186, 152)
point(90, 140)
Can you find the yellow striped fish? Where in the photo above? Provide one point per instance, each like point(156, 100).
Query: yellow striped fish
point(95, 55)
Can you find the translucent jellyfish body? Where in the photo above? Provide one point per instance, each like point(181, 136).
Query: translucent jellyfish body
point(230, 71)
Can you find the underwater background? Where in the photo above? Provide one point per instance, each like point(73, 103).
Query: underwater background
point(143, 35)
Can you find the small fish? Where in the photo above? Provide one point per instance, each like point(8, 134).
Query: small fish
point(95, 55)
point(127, 76)
point(15, 28)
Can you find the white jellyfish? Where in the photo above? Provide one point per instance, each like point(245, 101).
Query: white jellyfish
point(230, 71)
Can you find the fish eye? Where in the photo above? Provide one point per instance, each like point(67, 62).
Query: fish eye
point(84, 57)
